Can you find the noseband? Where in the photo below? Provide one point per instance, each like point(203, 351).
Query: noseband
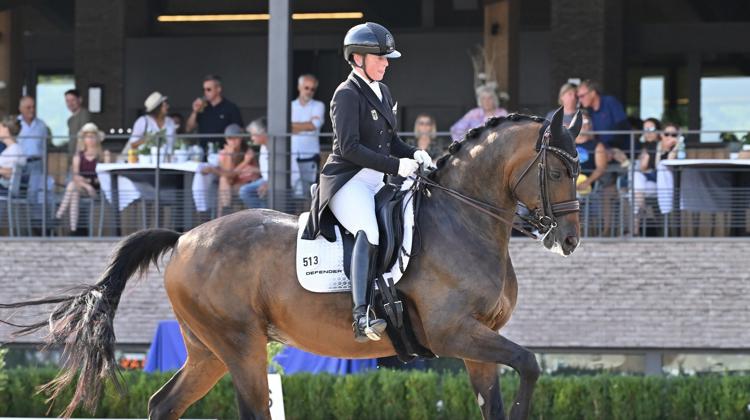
point(542, 218)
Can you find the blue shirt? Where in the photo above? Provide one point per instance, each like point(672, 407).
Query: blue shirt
point(32, 136)
point(609, 116)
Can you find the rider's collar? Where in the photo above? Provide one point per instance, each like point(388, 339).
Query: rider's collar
point(374, 85)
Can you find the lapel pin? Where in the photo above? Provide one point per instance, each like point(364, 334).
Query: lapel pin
point(374, 114)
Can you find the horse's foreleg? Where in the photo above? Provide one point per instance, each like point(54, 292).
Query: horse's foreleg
point(196, 377)
point(479, 343)
point(484, 381)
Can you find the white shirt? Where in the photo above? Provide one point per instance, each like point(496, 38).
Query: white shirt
point(374, 85)
point(32, 136)
point(11, 156)
point(263, 161)
point(307, 143)
point(148, 125)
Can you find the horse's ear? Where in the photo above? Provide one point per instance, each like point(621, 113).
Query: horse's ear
point(556, 127)
point(577, 123)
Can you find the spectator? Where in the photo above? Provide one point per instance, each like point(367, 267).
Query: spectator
point(644, 180)
point(12, 154)
point(76, 121)
point(607, 114)
point(154, 123)
point(488, 106)
point(236, 166)
point(425, 135)
point(568, 100)
point(253, 194)
point(34, 131)
point(308, 116)
point(89, 153)
point(592, 155)
point(212, 113)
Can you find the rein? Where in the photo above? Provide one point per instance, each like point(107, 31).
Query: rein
point(542, 219)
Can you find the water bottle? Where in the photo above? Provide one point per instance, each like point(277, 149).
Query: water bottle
point(681, 154)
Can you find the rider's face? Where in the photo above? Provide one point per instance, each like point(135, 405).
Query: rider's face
point(376, 65)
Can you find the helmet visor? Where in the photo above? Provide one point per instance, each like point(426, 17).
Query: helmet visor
point(392, 54)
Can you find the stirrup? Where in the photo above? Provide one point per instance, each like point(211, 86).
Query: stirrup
point(373, 330)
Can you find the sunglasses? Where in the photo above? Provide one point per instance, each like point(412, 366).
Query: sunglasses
point(582, 95)
point(670, 134)
point(649, 129)
point(423, 122)
point(208, 89)
point(310, 88)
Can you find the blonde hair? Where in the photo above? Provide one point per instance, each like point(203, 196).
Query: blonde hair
point(567, 87)
point(86, 129)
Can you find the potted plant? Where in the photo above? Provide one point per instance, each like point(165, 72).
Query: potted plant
point(144, 153)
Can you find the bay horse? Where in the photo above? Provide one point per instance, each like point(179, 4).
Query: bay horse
point(233, 286)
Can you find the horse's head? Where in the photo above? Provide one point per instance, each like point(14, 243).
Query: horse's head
point(543, 174)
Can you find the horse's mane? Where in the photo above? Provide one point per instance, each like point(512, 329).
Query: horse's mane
point(476, 133)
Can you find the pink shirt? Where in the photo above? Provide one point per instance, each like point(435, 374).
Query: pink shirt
point(474, 118)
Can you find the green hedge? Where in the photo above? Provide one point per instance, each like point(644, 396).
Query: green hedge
point(388, 394)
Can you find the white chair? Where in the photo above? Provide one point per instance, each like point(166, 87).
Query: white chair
point(12, 197)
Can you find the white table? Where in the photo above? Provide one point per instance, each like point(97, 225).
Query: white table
point(708, 185)
point(121, 191)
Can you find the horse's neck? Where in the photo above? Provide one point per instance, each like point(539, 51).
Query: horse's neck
point(447, 219)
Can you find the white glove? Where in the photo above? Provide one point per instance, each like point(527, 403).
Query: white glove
point(423, 158)
point(407, 167)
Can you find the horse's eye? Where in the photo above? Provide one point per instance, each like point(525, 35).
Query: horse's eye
point(555, 174)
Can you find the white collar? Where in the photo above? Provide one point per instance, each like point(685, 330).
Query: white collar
point(374, 85)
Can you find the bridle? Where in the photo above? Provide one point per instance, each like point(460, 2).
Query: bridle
point(543, 219)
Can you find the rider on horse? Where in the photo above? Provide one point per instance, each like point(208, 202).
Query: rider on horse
point(365, 148)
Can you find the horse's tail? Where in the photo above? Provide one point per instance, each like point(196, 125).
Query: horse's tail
point(83, 320)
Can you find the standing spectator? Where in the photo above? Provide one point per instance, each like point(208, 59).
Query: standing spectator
point(425, 134)
point(89, 153)
point(12, 153)
point(488, 106)
point(154, 123)
point(76, 121)
point(308, 116)
point(212, 113)
point(607, 114)
point(34, 131)
point(253, 194)
point(568, 100)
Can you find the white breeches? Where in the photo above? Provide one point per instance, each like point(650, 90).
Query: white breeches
point(354, 204)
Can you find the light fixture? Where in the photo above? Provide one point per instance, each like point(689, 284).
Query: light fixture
point(247, 17)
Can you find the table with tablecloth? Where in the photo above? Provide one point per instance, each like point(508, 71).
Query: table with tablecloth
point(167, 352)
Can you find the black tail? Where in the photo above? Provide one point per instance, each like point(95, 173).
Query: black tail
point(83, 321)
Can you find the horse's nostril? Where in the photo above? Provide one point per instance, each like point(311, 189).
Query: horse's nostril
point(571, 241)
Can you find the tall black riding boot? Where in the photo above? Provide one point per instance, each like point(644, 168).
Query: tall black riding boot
point(362, 271)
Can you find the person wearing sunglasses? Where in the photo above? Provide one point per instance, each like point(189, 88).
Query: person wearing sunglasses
point(644, 181)
point(607, 114)
point(212, 113)
point(308, 115)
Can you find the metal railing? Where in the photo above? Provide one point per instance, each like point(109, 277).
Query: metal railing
point(704, 199)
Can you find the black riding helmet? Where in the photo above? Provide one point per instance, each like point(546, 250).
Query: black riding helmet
point(369, 38)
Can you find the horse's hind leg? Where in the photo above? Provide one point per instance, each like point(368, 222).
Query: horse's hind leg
point(248, 368)
point(484, 381)
point(196, 377)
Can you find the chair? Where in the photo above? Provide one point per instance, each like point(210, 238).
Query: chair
point(12, 198)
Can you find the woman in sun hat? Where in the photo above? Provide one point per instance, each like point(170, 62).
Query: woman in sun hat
point(154, 122)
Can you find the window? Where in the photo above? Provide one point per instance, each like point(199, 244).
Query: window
point(652, 97)
point(725, 105)
point(50, 104)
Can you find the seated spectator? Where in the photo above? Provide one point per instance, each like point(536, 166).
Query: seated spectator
point(644, 180)
point(154, 123)
point(568, 100)
point(12, 154)
point(254, 193)
point(592, 155)
point(425, 135)
point(607, 114)
point(89, 153)
point(488, 106)
point(236, 167)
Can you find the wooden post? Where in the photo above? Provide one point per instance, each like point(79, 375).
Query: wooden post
point(501, 40)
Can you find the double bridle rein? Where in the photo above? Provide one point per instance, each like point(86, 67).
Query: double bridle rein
point(543, 218)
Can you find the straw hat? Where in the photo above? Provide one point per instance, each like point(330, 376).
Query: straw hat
point(91, 128)
point(153, 101)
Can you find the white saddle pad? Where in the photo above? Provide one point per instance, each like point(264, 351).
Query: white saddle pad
point(320, 264)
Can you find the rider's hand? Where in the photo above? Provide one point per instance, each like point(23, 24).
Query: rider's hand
point(407, 167)
point(423, 158)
